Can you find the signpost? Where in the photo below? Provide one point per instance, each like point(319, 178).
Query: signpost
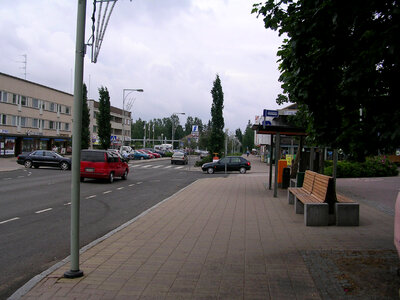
point(270, 113)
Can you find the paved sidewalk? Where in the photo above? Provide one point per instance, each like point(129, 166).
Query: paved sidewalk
point(220, 238)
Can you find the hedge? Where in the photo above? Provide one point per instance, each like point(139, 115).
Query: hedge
point(372, 167)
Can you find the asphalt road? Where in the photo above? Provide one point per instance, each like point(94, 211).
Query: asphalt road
point(35, 212)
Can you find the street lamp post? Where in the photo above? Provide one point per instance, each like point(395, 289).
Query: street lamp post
point(123, 109)
point(172, 123)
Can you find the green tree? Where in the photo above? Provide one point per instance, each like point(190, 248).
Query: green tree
point(85, 137)
point(248, 138)
point(217, 137)
point(340, 63)
point(104, 118)
point(137, 130)
point(239, 136)
point(188, 125)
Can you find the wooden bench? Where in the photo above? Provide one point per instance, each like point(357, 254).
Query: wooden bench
point(315, 199)
point(305, 189)
point(347, 211)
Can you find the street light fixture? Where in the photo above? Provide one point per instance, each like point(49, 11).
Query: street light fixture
point(172, 123)
point(123, 109)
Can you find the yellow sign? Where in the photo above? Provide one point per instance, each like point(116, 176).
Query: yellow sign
point(289, 159)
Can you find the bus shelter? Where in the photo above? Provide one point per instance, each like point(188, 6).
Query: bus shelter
point(278, 131)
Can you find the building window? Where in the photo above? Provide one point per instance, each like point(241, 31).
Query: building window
point(3, 96)
point(14, 120)
point(67, 110)
point(42, 121)
point(51, 124)
point(35, 103)
point(23, 121)
point(24, 102)
point(14, 99)
point(3, 119)
point(94, 128)
point(66, 126)
point(52, 106)
point(35, 123)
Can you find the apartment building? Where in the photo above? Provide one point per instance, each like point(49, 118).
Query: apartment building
point(33, 116)
point(120, 125)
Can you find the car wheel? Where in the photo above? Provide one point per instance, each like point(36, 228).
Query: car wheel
point(141, 158)
point(125, 175)
point(28, 164)
point(64, 166)
point(111, 177)
point(210, 170)
point(82, 179)
point(242, 170)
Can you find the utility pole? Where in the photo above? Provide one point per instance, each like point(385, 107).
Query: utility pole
point(76, 141)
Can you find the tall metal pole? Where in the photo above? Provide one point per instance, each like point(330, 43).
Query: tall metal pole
point(76, 141)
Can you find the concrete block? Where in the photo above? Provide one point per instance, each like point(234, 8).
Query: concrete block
point(347, 214)
point(298, 206)
point(290, 197)
point(316, 214)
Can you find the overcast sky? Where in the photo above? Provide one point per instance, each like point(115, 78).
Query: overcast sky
point(172, 49)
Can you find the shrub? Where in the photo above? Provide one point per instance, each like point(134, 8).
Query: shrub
point(204, 160)
point(372, 167)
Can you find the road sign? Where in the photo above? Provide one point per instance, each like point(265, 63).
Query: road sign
point(270, 113)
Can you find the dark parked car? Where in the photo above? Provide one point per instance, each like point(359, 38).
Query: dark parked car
point(40, 158)
point(234, 163)
point(105, 164)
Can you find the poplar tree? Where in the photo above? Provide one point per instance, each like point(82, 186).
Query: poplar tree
point(104, 119)
point(217, 137)
point(85, 139)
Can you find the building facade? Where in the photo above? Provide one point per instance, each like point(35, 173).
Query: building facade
point(33, 116)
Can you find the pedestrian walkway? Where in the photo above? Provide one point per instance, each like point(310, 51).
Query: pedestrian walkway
point(220, 238)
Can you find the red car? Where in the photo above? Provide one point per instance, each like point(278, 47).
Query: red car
point(103, 164)
point(147, 152)
point(156, 155)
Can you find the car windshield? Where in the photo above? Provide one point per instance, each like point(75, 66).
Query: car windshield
point(178, 154)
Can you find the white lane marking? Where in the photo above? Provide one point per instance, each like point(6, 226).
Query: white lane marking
point(69, 203)
point(107, 192)
point(179, 167)
point(146, 166)
point(8, 178)
point(43, 210)
point(140, 182)
point(89, 197)
point(21, 176)
point(158, 166)
point(9, 220)
point(132, 184)
point(120, 188)
point(167, 167)
point(30, 173)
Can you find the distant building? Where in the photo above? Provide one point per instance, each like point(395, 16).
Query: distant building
point(120, 125)
point(33, 116)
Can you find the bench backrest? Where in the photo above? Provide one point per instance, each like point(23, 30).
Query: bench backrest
point(308, 182)
point(320, 187)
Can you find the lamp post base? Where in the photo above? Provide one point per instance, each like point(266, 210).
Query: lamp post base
point(73, 274)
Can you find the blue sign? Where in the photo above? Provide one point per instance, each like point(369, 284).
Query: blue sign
point(270, 113)
point(113, 138)
point(267, 123)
